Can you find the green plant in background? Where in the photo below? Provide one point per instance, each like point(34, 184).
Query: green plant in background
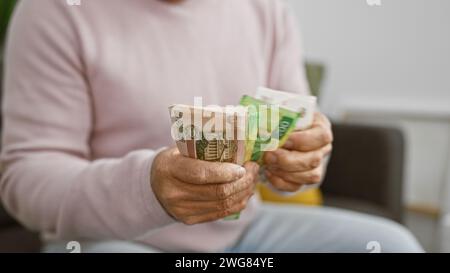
point(314, 73)
point(6, 8)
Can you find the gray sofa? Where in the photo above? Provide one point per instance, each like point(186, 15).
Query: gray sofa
point(365, 172)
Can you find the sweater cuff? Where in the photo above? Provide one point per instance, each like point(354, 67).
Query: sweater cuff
point(156, 214)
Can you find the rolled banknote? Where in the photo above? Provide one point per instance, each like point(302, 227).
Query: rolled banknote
point(210, 133)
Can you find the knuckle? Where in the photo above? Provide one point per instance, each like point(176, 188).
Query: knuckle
point(306, 136)
point(222, 191)
point(328, 149)
point(274, 181)
point(224, 213)
point(280, 184)
point(189, 221)
point(255, 168)
point(285, 187)
point(200, 175)
point(249, 192)
point(327, 135)
point(291, 186)
point(176, 212)
point(172, 196)
point(288, 161)
point(225, 204)
point(249, 181)
point(316, 160)
point(242, 205)
point(315, 177)
point(299, 138)
point(302, 164)
point(292, 189)
point(291, 177)
point(212, 172)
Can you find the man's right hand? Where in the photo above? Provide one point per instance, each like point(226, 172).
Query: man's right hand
point(195, 191)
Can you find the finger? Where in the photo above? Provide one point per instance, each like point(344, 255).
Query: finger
point(203, 172)
point(321, 118)
point(224, 191)
point(281, 184)
point(251, 166)
point(213, 192)
point(192, 208)
point(252, 169)
point(293, 161)
point(212, 216)
point(302, 178)
point(319, 135)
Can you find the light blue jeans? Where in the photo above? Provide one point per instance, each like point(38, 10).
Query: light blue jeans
point(289, 228)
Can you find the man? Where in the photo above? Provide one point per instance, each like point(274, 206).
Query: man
point(86, 143)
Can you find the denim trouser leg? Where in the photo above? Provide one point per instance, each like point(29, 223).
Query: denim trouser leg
point(291, 228)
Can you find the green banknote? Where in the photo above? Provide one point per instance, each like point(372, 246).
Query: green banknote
point(273, 127)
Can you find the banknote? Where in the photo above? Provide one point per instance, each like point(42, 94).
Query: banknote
point(296, 112)
point(278, 114)
point(304, 105)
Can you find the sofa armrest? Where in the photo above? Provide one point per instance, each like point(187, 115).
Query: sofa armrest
point(367, 165)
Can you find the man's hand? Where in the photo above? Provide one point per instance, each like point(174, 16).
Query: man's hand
point(195, 191)
point(300, 161)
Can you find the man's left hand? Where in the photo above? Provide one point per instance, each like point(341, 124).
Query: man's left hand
point(301, 160)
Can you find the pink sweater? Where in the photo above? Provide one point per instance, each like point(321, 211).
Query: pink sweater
point(85, 107)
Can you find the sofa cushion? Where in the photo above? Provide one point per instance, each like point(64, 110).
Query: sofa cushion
point(357, 205)
point(5, 219)
point(15, 239)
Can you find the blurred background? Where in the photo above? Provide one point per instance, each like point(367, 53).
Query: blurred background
point(389, 65)
point(382, 74)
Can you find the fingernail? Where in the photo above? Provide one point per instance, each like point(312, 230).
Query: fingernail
point(289, 144)
point(271, 158)
point(240, 171)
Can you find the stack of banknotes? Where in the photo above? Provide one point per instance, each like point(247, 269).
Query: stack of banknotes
point(241, 133)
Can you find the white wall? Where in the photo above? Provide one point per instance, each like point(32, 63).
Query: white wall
point(388, 65)
point(399, 51)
